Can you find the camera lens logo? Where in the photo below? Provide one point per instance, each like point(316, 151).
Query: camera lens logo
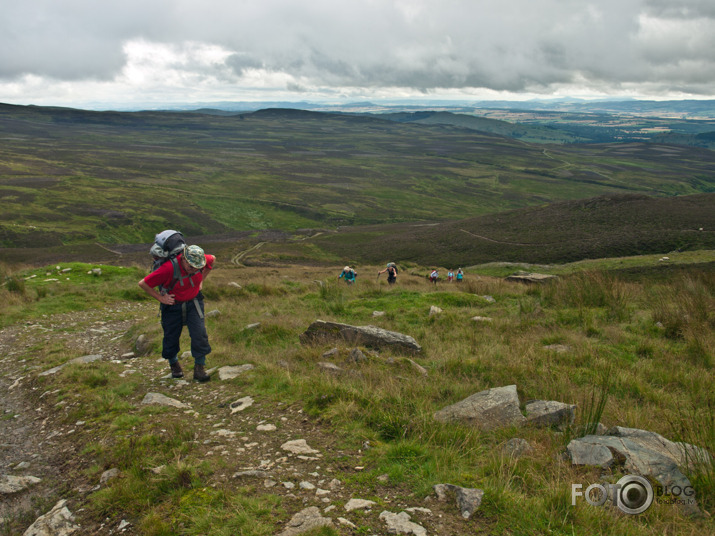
point(634, 494)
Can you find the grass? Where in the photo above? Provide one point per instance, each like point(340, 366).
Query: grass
point(638, 350)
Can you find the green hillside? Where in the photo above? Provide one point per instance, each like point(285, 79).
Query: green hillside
point(72, 177)
point(606, 226)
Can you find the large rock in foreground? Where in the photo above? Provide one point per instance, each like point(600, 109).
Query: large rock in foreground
point(371, 336)
point(487, 410)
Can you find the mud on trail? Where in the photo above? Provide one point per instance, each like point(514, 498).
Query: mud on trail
point(40, 438)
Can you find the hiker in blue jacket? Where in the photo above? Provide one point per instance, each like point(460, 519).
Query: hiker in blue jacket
point(349, 274)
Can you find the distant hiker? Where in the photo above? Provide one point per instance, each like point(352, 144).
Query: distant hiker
point(434, 276)
point(182, 303)
point(460, 275)
point(349, 274)
point(450, 276)
point(391, 270)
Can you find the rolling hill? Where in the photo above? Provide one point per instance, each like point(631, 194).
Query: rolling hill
point(76, 178)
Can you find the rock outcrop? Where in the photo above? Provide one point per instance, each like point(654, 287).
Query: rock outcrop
point(370, 336)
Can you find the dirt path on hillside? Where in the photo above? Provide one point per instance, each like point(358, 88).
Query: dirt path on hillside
point(40, 438)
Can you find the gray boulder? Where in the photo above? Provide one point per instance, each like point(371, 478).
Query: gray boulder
point(639, 460)
point(468, 499)
point(549, 413)
point(370, 336)
point(486, 410)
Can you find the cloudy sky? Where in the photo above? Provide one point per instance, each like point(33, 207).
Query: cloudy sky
point(96, 53)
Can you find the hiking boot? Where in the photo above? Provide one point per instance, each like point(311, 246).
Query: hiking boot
point(200, 374)
point(176, 371)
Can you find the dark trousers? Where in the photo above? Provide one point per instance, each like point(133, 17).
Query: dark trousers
point(173, 319)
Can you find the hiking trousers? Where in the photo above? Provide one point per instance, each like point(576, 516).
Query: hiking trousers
point(173, 319)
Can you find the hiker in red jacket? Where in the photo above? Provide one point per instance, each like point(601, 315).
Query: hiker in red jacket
point(179, 285)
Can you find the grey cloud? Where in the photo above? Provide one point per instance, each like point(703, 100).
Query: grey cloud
point(520, 45)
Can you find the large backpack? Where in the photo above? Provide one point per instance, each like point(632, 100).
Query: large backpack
point(167, 245)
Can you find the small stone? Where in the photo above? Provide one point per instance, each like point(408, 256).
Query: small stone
point(358, 504)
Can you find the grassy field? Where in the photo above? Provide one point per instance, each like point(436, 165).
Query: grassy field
point(644, 342)
point(70, 177)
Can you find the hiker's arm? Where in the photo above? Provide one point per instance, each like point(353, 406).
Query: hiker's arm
point(167, 299)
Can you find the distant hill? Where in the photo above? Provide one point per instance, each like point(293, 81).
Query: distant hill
point(521, 131)
point(77, 177)
point(604, 226)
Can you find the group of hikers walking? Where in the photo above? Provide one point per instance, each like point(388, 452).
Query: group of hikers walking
point(350, 275)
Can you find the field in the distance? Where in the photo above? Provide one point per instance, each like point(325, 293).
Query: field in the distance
point(71, 177)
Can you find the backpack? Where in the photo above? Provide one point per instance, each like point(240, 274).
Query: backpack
point(167, 245)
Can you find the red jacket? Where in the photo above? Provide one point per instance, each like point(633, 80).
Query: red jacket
point(164, 275)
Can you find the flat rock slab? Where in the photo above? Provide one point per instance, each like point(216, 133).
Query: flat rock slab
point(486, 410)
point(531, 278)
point(75, 361)
point(371, 336)
point(298, 446)
point(229, 373)
point(163, 400)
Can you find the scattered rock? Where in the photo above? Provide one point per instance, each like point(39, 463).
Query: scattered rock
point(434, 310)
point(158, 398)
point(369, 336)
point(358, 504)
point(329, 367)
point(75, 361)
point(330, 353)
point(234, 284)
point(489, 299)
point(141, 345)
point(468, 499)
point(210, 314)
point(13, 484)
point(108, 475)
point(306, 520)
point(57, 522)
point(376, 314)
point(266, 428)
point(241, 404)
point(419, 368)
point(253, 326)
point(356, 356)
point(229, 373)
point(484, 319)
point(298, 446)
point(486, 410)
point(401, 524)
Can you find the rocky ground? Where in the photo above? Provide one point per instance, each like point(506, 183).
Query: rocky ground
point(271, 447)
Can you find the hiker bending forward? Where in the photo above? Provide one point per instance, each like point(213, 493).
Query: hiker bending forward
point(182, 303)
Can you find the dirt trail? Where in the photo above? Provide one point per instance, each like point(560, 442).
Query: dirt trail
point(38, 432)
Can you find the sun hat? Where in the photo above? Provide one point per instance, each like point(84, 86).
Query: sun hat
point(194, 255)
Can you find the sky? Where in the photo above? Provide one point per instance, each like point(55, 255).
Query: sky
point(98, 54)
